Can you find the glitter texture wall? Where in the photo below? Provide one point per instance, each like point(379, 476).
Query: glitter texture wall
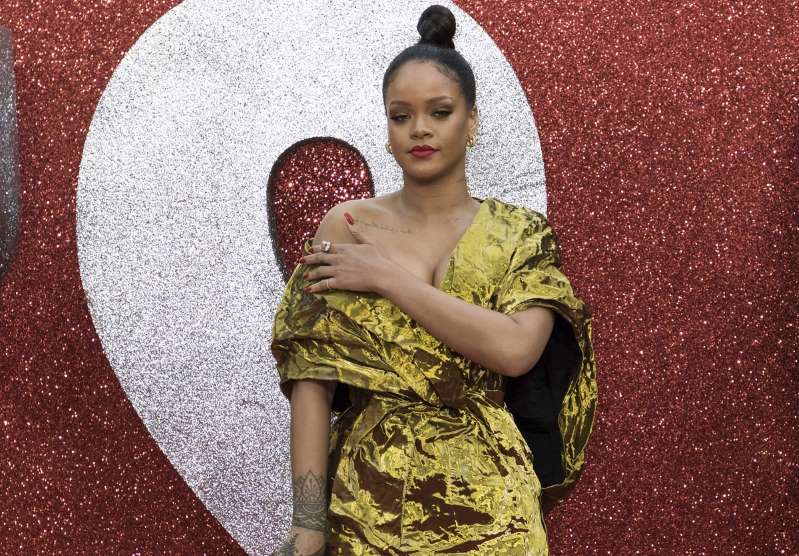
point(173, 156)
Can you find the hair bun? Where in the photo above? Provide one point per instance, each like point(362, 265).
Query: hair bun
point(437, 26)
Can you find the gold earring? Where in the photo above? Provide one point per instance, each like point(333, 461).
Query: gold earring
point(388, 148)
point(471, 141)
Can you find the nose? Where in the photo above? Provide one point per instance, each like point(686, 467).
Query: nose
point(420, 128)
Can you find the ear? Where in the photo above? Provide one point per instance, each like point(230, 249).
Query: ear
point(474, 120)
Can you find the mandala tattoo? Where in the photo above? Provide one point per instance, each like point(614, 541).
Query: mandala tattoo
point(310, 502)
point(289, 548)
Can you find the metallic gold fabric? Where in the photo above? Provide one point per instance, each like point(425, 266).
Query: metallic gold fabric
point(425, 459)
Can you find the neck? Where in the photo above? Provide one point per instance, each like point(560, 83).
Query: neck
point(430, 201)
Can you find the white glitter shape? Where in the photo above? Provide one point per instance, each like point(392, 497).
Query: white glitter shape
point(173, 244)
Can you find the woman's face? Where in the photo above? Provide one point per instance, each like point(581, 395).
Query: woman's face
point(426, 107)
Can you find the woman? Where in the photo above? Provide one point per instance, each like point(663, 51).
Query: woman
point(441, 332)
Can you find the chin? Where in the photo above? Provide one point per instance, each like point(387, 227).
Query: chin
point(428, 174)
point(425, 168)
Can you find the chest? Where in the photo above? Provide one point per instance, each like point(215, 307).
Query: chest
point(428, 260)
point(423, 251)
point(470, 269)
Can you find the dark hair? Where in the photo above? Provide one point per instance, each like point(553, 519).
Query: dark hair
point(437, 27)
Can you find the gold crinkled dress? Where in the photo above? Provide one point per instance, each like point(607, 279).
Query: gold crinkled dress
point(423, 458)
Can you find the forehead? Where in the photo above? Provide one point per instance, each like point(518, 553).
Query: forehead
point(418, 82)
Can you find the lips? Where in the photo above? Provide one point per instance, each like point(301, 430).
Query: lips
point(421, 153)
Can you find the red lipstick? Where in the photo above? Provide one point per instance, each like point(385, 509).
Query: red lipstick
point(423, 151)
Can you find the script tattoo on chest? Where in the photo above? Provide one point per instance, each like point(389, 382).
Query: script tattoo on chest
point(406, 230)
point(363, 222)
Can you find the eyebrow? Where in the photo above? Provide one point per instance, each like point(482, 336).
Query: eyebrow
point(429, 101)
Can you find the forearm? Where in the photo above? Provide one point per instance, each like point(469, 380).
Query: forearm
point(310, 427)
point(489, 338)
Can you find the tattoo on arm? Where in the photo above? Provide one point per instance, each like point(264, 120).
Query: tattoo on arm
point(310, 502)
point(289, 547)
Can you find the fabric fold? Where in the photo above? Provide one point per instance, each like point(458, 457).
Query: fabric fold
point(425, 454)
point(322, 336)
point(554, 403)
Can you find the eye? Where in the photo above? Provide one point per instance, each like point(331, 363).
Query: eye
point(439, 113)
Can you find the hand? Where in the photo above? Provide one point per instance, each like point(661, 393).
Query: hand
point(302, 542)
point(361, 266)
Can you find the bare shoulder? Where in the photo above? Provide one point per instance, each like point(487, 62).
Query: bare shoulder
point(334, 228)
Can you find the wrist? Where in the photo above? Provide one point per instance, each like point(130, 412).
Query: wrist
point(316, 523)
point(388, 282)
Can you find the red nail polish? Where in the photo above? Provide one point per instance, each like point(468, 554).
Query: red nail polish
point(305, 275)
point(349, 218)
point(302, 259)
point(306, 288)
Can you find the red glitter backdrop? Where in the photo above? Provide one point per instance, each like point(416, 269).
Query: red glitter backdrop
point(669, 132)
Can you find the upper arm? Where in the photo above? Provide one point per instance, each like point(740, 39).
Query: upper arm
point(536, 324)
point(324, 388)
point(333, 227)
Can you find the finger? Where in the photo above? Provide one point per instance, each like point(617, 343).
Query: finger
point(318, 258)
point(318, 273)
point(324, 284)
point(355, 228)
point(318, 249)
point(310, 259)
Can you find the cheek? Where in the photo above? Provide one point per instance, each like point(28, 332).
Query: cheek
point(395, 135)
point(454, 135)
point(455, 129)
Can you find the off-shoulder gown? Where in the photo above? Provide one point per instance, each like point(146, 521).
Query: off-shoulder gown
point(425, 457)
